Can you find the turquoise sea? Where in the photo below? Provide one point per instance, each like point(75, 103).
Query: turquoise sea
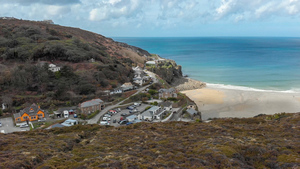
point(247, 63)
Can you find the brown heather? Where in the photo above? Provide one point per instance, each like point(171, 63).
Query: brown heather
point(260, 142)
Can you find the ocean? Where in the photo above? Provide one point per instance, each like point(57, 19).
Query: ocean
point(246, 63)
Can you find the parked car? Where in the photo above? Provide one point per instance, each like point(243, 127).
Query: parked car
point(123, 114)
point(0, 124)
point(104, 123)
point(42, 120)
point(133, 111)
point(115, 120)
point(113, 111)
point(118, 109)
point(130, 107)
point(24, 125)
point(106, 118)
point(137, 104)
point(75, 115)
point(107, 115)
point(129, 123)
point(123, 122)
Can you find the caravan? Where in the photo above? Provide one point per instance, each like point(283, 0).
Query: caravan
point(66, 113)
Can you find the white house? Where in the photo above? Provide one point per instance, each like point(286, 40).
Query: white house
point(151, 114)
point(54, 68)
point(127, 86)
point(166, 105)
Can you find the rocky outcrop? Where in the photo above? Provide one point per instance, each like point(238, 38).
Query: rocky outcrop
point(187, 84)
point(168, 70)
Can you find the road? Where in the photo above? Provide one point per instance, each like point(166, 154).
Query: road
point(9, 127)
point(106, 109)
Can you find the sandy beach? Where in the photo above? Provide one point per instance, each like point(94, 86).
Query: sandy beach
point(214, 102)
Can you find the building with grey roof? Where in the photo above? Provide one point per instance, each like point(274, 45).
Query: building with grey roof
point(91, 106)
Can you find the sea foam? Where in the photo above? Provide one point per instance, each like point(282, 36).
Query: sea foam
point(243, 88)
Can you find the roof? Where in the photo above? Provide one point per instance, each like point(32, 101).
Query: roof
point(170, 90)
point(91, 103)
point(150, 62)
point(192, 111)
point(154, 108)
point(127, 84)
point(165, 104)
point(131, 117)
point(31, 111)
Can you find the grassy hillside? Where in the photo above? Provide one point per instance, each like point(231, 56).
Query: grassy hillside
point(260, 142)
point(27, 47)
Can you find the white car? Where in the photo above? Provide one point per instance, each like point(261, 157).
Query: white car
point(104, 123)
point(107, 115)
point(106, 118)
point(24, 125)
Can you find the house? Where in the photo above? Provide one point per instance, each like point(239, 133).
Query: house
point(192, 112)
point(32, 113)
point(91, 106)
point(166, 93)
point(127, 86)
point(150, 63)
point(166, 105)
point(54, 68)
point(151, 114)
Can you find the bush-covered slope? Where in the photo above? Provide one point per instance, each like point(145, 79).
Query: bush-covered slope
point(261, 142)
point(27, 47)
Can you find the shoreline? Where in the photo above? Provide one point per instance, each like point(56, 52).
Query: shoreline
point(217, 101)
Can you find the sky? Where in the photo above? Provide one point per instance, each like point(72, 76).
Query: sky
point(165, 18)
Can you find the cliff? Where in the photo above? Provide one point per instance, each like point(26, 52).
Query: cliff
point(260, 142)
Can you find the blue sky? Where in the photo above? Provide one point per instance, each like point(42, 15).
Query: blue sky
point(165, 18)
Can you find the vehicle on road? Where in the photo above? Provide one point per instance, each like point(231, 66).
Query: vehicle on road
point(24, 125)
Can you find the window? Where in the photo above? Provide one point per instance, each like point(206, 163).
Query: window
point(19, 119)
